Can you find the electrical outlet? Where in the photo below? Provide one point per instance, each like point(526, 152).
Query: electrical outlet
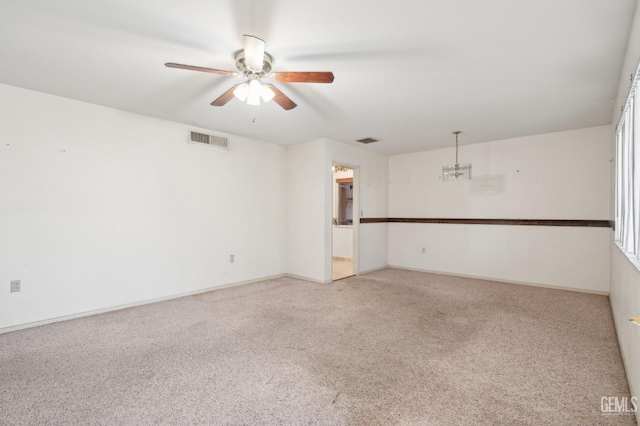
point(232, 258)
point(424, 250)
point(15, 286)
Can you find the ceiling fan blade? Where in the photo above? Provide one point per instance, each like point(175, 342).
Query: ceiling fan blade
point(225, 97)
point(281, 99)
point(202, 69)
point(302, 77)
point(253, 52)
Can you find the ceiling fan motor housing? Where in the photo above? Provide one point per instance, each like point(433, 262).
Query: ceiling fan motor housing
point(242, 66)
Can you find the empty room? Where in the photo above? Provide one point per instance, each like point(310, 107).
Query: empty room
point(258, 212)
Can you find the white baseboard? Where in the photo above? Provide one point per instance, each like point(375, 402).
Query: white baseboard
point(624, 357)
point(555, 287)
point(373, 270)
point(220, 287)
point(300, 277)
point(132, 304)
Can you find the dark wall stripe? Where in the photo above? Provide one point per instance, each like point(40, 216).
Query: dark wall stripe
point(525, 222)
point(374, 219)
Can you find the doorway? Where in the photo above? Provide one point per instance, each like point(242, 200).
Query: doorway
point(342, 247)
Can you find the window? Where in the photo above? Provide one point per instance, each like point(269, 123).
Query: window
point(627, 203)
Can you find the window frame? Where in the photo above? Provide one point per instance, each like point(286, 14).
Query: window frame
point(627, 177)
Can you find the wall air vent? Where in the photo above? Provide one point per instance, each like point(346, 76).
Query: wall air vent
point(208, 139)
point(367, 140)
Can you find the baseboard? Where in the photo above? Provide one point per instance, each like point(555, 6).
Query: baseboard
point(133, 304)
point(373, 270)
point(313, 280)
point(223, 286)
point(341, 258)
point(554, 287)
point(622, 355)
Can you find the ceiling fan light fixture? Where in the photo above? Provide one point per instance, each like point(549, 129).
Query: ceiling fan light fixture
point(252, 91)
point(266, 93)
point(253, 95)
point(241, 92)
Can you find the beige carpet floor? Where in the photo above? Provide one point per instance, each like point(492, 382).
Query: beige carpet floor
point(390, 347)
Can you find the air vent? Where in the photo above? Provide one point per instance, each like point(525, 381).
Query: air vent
point(207, 139)
point(367, 140)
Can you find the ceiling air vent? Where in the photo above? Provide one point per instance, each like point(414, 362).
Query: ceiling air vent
point(207, 139)
point(367, 140)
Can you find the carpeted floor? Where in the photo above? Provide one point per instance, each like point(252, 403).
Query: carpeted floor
point(390, 347)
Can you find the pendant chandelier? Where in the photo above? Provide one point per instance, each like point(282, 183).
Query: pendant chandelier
point(456, 171)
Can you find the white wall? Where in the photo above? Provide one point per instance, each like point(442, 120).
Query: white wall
point(561, 175)
point(625, 277)
point(309, 214)
point(306, 210)
point(100, 208)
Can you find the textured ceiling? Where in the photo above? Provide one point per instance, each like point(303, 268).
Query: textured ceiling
point(407, 72)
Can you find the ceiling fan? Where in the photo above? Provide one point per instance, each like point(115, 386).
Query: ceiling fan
point(254, 64)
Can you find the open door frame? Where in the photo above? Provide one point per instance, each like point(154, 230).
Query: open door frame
point(329, 221)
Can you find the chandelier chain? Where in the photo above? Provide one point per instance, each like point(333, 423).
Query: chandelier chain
point(457, 132)
point(457, 147)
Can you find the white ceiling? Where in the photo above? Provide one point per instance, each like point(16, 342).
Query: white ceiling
point(408, 72)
